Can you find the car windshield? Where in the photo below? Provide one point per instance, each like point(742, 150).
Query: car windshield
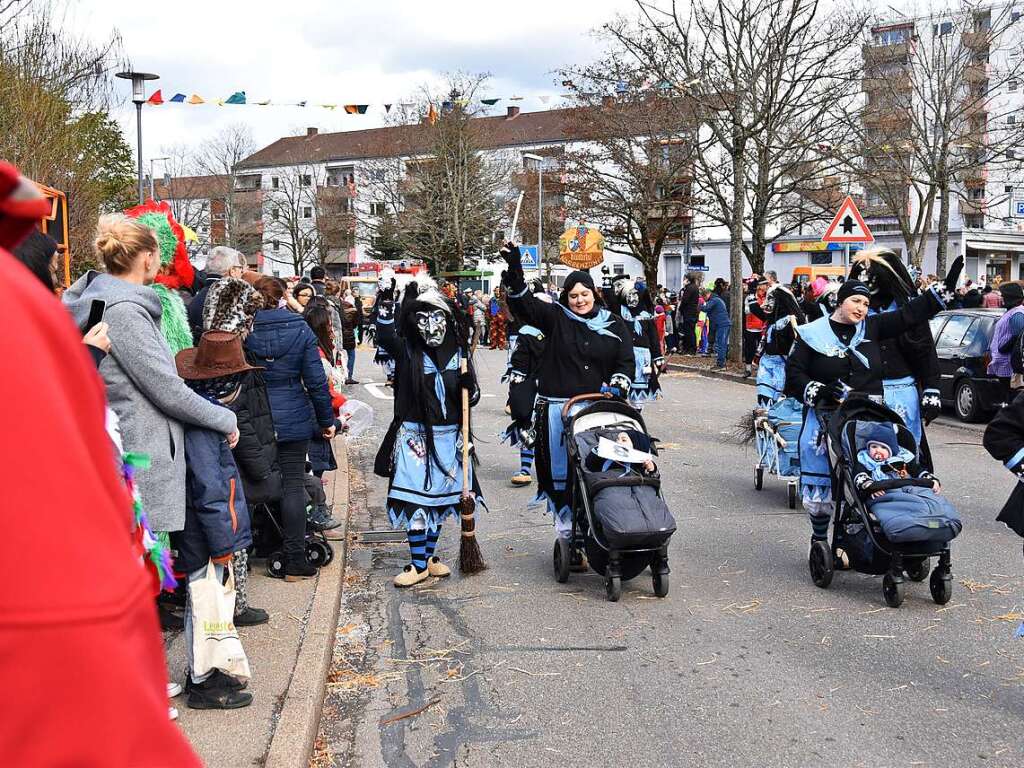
point(952, 335)
point(978, 338)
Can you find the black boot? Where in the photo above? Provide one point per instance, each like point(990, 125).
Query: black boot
point(168, 619)
point(214, 694)
point(299, 570)
point(251, 617)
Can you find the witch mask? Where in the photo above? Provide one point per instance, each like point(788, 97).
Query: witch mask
point(432, 326)
point(632, 298)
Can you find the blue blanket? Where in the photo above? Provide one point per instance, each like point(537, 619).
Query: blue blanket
point(916, 516)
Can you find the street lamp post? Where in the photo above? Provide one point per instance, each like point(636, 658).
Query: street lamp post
point(540, 209)
point(152, 178)
point(139, 97)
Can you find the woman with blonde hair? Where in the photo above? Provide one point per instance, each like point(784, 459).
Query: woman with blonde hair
point(151, 402)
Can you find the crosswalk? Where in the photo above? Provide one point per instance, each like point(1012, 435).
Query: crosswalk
point(381, 391)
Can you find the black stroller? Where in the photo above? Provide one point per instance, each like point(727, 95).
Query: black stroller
point(858, 535)
point(620, 520)
point(268, 535)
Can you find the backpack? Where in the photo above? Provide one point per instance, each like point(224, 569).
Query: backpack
point(1017, 353)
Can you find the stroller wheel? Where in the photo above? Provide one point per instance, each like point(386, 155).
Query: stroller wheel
point(562, 559)
point(660, 584)
point(919, 570)
point(792, 495)
point(941, 586)
point(613, 588)
point(819, 561)
point(892, 590)
point(275, 564)
point(318, 553)
point(758, 477)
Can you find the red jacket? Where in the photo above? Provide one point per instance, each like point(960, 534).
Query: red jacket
point(81, 657)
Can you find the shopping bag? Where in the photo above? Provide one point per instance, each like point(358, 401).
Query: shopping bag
point(215, 643)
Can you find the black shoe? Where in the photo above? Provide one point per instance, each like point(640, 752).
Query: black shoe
point(169, 620)
point(250, 617)
point(299, 571)
point(205, 696)
point(351, 381)
point(219, 680)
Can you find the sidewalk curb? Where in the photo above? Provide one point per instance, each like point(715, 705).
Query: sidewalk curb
point(751, 381)
point(291, 746)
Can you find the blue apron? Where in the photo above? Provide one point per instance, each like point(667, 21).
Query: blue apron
point(771, 377)
point(558, 467)
point(902, 397)
point(430, 502)
point(815, 472)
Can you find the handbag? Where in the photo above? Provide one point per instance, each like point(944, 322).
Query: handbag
point(215, 642)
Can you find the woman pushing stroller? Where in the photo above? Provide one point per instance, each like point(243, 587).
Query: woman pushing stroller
point(839, 354)
point(588, 350)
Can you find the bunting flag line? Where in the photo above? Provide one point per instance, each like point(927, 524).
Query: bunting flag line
point(238, 97)
point(177, 98)
point(156, 99)
point(194, 99)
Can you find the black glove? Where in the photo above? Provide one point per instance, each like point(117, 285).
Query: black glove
point(388, 294)
point(856, 271)
point(838, 391)
point(931, 405)
point(514, 277)
point(466, 382)
point(953, 276)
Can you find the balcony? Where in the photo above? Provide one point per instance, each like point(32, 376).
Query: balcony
point(978, 73)
point(977, 41)
point(248, 183)
point(885, 117)
point(975, 176)
point(973, 207)
point(884, 54)
point(894, 81)
point(975, 106)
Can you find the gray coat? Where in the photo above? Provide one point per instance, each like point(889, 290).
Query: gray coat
point(144, 390)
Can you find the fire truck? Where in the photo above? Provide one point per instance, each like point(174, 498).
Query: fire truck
point(55, 224)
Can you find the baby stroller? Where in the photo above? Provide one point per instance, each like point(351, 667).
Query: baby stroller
point(268, 534)
point(619, 519)
point(871, 540)
point(777, 434)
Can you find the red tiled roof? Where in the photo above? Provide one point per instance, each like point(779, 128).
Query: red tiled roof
point(525, 128)
point(193, 188)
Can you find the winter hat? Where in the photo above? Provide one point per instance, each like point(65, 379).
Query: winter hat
point(852, 288)
point(171, 238)
point(231, 305)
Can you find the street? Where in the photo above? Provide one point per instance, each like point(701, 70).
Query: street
point(745, 663)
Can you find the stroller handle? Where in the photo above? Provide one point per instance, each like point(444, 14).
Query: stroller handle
point(582, 399)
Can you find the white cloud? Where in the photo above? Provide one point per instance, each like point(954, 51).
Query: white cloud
point(347, 51)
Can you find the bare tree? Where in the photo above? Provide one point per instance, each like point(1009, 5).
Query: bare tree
point(754, 69)
point(290, 213)
point(631, 167)
point(933, 124)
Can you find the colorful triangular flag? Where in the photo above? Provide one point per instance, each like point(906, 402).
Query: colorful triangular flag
point(196, 99)
point(178, 98)
point(356, 109)
point(329, 106)
point(544, 99)
point(238, 97)
point(156, 99)
point(431, 115)
point(262, 103)
point(489, 102)
point(301, 104)
point(387, 108)
point(515, 98)
point(219, 102)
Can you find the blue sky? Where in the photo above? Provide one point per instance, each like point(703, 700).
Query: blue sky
point(342, 51)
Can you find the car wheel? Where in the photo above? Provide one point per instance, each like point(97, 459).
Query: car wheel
point(966, 402)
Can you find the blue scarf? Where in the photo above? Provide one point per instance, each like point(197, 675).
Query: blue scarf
point(599, 323)
point(627, 316)
point(820, 337)
point(439, 389)
point(884, 470)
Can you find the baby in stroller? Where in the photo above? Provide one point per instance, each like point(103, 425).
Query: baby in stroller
point(878, 462)
point(622, 455)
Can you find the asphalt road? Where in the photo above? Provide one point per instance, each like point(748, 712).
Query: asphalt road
point(745, 663)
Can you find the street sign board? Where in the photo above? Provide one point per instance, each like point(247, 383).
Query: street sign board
point(697, 268)
point(1019, 207)
point(529, 254)
point(848, 226)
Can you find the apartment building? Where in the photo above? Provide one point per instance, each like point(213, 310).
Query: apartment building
point(319, 189)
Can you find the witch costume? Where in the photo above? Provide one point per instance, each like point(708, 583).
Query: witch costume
point(781, 314)
point(525, 356)
point(910, 366)
point(422, 452)
point(829, 360)
point(636, 309)
point(383, 312)
point(583, 354)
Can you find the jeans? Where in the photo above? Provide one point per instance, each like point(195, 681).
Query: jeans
point(291, 455)
point(351, 362)
point(193, 576)
point(722, 343)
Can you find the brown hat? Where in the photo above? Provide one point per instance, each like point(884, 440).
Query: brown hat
point(219, 354)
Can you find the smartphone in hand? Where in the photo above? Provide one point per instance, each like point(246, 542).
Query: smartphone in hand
point(96, 310)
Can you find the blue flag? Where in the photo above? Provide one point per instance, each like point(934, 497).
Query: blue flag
point(238, 97)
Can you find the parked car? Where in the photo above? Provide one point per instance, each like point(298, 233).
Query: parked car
point(962, 341)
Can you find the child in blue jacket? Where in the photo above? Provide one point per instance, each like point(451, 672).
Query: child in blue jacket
point(216, 515)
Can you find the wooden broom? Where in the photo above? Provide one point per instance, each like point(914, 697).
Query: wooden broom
point(471, 559)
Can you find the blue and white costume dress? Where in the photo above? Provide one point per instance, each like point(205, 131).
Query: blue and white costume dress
point(646, 354)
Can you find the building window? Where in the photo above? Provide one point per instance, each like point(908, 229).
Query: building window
point(307, 212)
point(378, 209)
point(1014, 15)
point(976, 193)
point(1011, 119)
point(275, 214)
point(275, 246)
point(821, 258)
point(275, 182)
point(619, 269)
point(696, 260)
point(1012, 85)
point(307, 243)
point(1010, 154)
point(305, 180)
point(944, 28)
point(975, 221)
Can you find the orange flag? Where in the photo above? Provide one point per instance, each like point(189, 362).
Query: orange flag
point(194, 99)
point(432, 115)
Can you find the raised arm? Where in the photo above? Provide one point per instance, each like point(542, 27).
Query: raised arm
point(527, 308)
point(383, 316)
point(1004, 437)
point(921, 308)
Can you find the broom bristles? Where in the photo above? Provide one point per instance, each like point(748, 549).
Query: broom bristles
point(743, 431)
point(471, 559)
